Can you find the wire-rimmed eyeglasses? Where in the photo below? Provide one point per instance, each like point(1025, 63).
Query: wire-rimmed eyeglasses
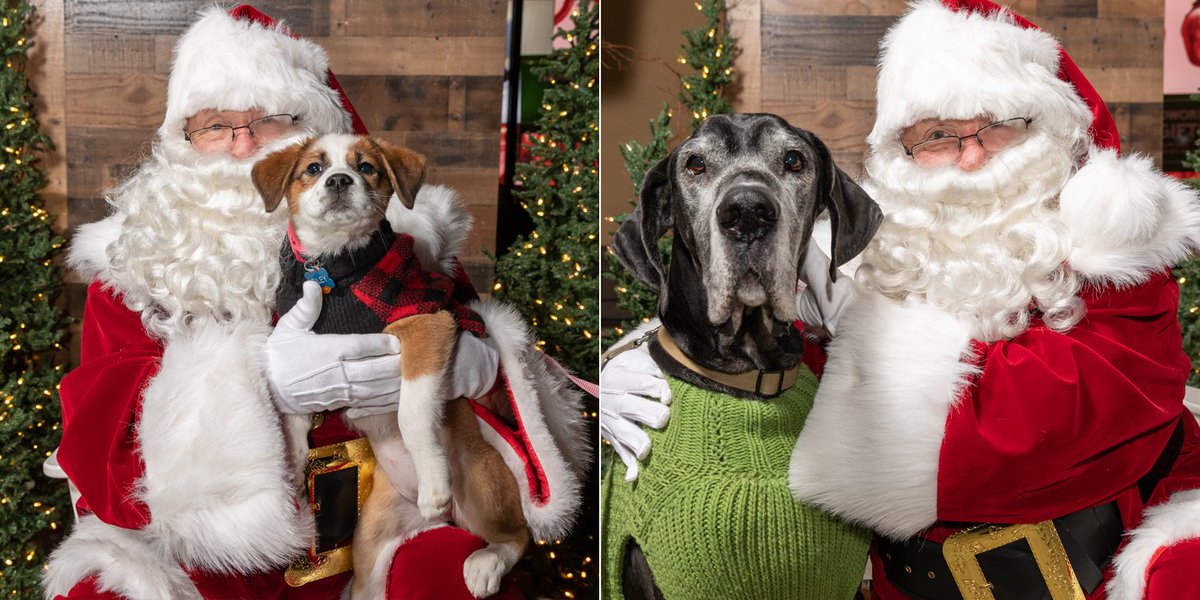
point(943, 148)
point(262, 129)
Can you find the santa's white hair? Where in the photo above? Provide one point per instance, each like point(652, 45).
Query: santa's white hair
point(987, 245)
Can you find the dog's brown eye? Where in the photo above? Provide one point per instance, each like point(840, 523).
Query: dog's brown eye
point(314, 169)
point(366, 168)
point(695, 164)
point(792, 160)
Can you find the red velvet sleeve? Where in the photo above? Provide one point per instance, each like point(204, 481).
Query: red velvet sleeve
point(1056, 422)
point(101, 401)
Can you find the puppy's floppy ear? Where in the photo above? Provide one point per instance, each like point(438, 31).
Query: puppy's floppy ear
point(636, 241)
point(273, 173)
point(405, 169)
point(853, 213)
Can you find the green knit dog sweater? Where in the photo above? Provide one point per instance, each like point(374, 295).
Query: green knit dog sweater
point(712, 512)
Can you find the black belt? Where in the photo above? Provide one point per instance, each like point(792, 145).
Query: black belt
point(1090, 537)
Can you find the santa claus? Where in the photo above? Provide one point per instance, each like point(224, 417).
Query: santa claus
point(1012, 354)
point(171, 427)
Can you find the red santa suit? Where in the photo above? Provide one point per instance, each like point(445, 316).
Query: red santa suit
point(169, 430)
point(928, 422)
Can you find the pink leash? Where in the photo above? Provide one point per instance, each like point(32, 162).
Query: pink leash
point(583, 384)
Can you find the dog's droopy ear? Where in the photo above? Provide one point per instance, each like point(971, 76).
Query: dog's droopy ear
point(273, 173)
point(406, 170)
point(853, 214)
point(636, 242)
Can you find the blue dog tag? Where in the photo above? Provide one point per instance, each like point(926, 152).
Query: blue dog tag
point(321, 276)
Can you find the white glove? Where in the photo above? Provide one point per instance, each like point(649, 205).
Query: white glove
point(626, 381)
point(310, 373)
point(822, 302)
point(476, 365)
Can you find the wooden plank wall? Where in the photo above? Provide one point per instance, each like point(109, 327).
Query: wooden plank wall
point(813, 62)
point(426, 74)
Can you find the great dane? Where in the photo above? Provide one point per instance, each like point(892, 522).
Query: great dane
point(741, 196)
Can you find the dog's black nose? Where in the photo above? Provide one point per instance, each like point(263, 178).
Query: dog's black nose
point(746, 214)
point(339, 182)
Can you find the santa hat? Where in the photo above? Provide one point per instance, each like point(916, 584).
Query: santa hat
point(959, 59)
point(243, 59)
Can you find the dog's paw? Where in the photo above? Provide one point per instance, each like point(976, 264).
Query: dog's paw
point(433, 501)
point(483, 571)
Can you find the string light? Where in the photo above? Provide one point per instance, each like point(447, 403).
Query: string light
point(558, 187)
point(29, 408)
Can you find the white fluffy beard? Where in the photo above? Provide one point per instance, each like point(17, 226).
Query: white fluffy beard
point(986, 246)
point(196, 243)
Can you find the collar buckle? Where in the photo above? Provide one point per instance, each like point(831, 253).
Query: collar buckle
point(778, 383)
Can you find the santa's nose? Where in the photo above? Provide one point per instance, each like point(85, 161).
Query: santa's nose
point(243, 145)
point(973, 155)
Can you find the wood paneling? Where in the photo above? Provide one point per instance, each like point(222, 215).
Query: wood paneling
point(1067, 8)
point(813, 62)
point(418, 55)
point(450, 18)
point(745, 24)
point(858, 8)
point(427, 74)
point(130, 100)
point(822, 40)
point(1142, 9)
point(1110, 41)
point(45, 74)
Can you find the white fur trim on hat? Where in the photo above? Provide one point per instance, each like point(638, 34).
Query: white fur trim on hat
point(226, 63)
point(869, 449)
point(1127, 219)
point(939, 63)
point(1174, 521)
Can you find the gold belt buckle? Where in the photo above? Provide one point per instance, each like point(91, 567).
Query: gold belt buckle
point(313, 565)
point(962, 549)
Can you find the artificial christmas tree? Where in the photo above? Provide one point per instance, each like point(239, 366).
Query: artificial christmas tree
point(551, 274)
point(34, 510)
point(1187, 274)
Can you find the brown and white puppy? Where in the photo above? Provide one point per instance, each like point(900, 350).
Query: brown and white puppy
point(431, 452)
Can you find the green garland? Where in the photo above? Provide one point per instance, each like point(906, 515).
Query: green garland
point(34, 510)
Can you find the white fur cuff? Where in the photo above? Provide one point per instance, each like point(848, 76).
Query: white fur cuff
point(87, 254)
point(1127, 219)
point(216, 479)
point(122, 560)
point(869, 449)
point(1171, 522)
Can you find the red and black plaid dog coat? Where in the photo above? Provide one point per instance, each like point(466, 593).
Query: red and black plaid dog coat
point(378, 284)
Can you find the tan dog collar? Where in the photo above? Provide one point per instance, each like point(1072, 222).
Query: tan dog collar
point(764, 384)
